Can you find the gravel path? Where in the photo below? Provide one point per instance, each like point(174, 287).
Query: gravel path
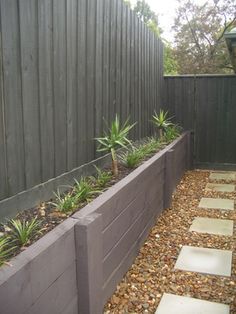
point(153, 271)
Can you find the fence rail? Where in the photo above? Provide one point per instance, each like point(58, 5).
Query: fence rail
point(206, 104)
point(64, 65)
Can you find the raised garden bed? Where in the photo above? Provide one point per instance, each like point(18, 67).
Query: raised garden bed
point(77, 265)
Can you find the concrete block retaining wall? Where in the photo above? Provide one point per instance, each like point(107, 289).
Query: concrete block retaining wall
point(76, 267)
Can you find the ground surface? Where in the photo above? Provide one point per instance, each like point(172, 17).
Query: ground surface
point(153, 273)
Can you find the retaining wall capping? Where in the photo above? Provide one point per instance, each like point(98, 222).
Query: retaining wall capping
point(75, 267)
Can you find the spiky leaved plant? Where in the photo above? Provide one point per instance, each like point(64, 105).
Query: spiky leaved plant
point(161, 121)
point(5, 249)
point(64, 203)
point(22, 232)
point(102, 177)
point(115, 137)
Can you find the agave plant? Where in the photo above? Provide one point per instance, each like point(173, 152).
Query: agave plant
point(161, 121)
point(22, 232)
point(117, 136)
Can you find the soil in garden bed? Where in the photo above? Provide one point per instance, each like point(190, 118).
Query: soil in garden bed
point(153, 273)
point(50, 217)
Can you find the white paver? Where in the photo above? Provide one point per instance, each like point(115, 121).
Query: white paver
point(203, 260)
point(217, 187)
point(227, 175)
point(175, 304)
point(213, 226)
point(217, 203)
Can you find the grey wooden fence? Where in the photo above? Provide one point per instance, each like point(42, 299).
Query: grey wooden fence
point(206, 104)
point(64, 65)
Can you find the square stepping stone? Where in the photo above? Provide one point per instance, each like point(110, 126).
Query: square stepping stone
point(175, 304)
point(212, 226)
point(220, 187)
point(203, 260)
point(228, 176)
point(216, 203)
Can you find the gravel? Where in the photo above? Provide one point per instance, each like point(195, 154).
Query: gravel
point(153, 273)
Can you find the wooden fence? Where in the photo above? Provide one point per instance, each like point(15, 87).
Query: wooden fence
point(64, 65)
point(206, 104)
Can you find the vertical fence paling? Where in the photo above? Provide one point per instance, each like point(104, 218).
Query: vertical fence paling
point(206, 104)
point(64, 66)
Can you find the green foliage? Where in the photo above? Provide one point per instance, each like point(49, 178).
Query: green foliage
point(22, 232)
point(172, 132)
point(161, 121)
point(132, 157)
point(199, 36)
point(171, 66)
point(117, 136)
point(5, 249)
point(103, 177)
point(65, 203)
point(150, 146)
point(127, 2)
point(149, 17)
point(84, 190)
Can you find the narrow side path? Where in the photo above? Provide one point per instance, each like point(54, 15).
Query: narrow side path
point(154, 272)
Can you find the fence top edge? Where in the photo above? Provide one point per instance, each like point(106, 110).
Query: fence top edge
point(200, 75)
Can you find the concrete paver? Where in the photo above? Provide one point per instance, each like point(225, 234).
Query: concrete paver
point(204, 260)
point(216, 203)
point(175, 304)
point(228, 176)
point(217, 187)
point(212, 226)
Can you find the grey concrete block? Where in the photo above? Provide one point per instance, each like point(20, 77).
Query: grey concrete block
point(61, 292)
point(88, 238)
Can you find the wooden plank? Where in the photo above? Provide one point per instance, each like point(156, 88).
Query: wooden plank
point(140, 79)
point(136, 73)
point(128, 66)
point(106, 61)
point(3, 157)
point(30, 90)
point(118, 57)
point(124, 62)
point(46, 104)
point(82, 153)
point(132, 72)
point(99, 71)
point(90, 63)
point(13, 96)
point(59, 80)
point(113, 45)
point(71, 54)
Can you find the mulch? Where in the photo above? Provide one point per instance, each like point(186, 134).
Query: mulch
point(153, 273)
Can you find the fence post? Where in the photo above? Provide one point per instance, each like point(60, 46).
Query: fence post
point(88, 242)
point(170, 178)
point(189, 154)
